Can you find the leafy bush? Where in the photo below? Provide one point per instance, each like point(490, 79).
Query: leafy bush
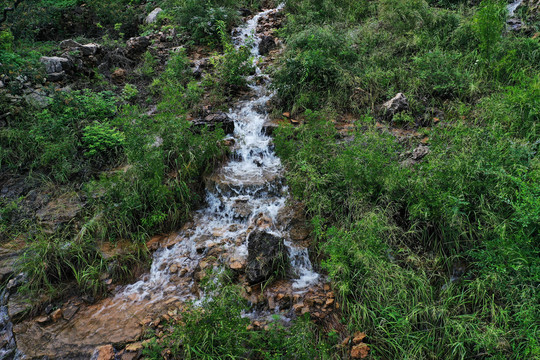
point(101, 140)
point(201, 19)
point(53, 139)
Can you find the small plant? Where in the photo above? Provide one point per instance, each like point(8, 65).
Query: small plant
point(101, 140)
point(6, 40)
point(489, 25)
point(130, 92)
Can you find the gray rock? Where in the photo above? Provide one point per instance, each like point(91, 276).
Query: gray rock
point(37, 99)
point(55, 64)
point(90, 49)
point(152, 17)
point(135, 46)
point(215, 119)
point(395, 105)
point(56, 77)
point(69, 44)
point(267, 255)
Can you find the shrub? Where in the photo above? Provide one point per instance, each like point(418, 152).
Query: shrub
point(101, 140)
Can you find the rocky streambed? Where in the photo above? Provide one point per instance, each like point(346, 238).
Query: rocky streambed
point(249, 224)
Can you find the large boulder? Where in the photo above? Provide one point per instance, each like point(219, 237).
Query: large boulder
point(56, 64)
point(152, 17)
point(267, 44)
point(267, 255)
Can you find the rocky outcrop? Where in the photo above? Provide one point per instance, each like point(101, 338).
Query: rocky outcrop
point(267, 255)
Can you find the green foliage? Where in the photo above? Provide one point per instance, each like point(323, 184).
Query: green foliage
point(149, 64)
point(49, 262)
point(54, 140)
point(233, 66)
point(101, 140)
point(404, 15)
point(315, 74)
point(201, 19)
point(393, 234)
point(489, 24)
point(6, 40)
point(130, 92)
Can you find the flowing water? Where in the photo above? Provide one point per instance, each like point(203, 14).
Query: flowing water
point(247, 188)
point(247, 192)
point(513, 6)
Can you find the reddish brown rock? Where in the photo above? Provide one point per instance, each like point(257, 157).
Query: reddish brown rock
point(105, 352)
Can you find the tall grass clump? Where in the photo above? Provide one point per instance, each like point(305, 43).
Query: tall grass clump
point(217, 330)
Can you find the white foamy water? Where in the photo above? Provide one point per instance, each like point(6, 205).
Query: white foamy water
point(245, 189)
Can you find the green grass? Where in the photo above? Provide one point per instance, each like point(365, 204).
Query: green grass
point(438, 259)
point(217, 330)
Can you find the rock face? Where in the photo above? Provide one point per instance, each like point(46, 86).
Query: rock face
point(395, 105)
point(267, 44)
point(267, 255)
point(152, 17)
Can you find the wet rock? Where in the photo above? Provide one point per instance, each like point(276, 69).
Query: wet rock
point(395, 105)
point(267, 44)
point(263, 222)
point(56, 315)
point(136, 46)
point(105, 352)
point(514, 24)
point(18, 307)
point(70, 311)
point(16, 282)
point(267, 255)
point(55, 64)
point(59, 211)
point(152, 17)
point(268, 129)
point(214, 120)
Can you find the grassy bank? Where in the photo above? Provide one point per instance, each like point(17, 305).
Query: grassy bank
point(435, 258)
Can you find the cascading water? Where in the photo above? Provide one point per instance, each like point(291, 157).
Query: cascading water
point(247, 188)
